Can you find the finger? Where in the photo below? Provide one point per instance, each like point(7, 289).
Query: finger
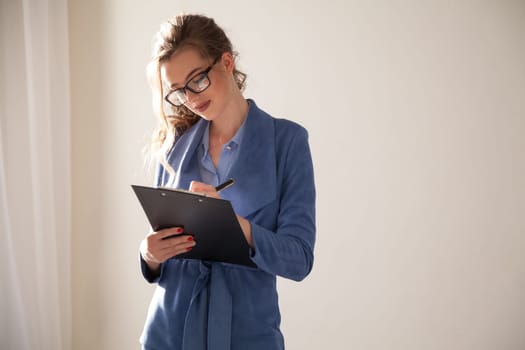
point(184, 248)
point(177, 250)
point(201, 187)
point(161, 234)
point(155, 246)
point(172, 231)
point(175, 242)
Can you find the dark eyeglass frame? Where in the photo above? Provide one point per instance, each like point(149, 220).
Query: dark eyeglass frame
point(177, 93)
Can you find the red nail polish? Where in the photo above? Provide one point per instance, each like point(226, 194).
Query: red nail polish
point(178, 230)
point(190, 238)
point(188, 249)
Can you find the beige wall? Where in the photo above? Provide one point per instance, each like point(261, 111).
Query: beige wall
point(416, 112)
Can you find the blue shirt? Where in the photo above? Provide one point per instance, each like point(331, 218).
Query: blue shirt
point(207, 305)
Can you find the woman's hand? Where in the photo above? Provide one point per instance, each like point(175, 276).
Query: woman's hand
point(156, 248)
point(202, 188)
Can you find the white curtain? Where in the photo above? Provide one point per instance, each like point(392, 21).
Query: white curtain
point(35, 213)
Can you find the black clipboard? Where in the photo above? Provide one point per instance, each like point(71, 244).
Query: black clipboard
point(211, 221)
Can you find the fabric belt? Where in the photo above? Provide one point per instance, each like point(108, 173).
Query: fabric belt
point(209, 316)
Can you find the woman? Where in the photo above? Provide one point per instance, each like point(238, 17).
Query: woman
point(213, 134)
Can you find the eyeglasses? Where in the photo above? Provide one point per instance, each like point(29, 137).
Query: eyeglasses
point(197, 84)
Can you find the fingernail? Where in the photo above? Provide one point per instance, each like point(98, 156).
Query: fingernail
point(188, 249)
point(190, 238)
point(178, 230)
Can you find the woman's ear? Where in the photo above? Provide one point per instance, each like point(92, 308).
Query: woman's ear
point(228, 62)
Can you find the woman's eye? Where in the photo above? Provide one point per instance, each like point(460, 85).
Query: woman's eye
point(198, 79)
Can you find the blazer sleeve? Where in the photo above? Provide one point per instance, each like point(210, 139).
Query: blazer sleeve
point(288, 252)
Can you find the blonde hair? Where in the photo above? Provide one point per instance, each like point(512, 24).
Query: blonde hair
point(203, 34)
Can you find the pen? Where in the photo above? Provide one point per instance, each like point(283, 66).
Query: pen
point(224, 185)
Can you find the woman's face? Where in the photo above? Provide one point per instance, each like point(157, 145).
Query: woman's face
point(184, 69)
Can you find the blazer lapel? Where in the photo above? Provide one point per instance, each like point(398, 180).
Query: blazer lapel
point(255, 170)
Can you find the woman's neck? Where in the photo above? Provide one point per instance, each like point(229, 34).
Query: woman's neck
point(224, 128)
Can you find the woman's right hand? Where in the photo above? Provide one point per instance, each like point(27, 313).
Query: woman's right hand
point(156, 248)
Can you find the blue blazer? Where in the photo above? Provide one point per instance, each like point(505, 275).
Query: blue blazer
point(218, 306)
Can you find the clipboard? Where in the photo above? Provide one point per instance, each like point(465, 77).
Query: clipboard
point(211, 221)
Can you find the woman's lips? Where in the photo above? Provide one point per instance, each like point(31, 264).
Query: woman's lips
point(201, 108)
